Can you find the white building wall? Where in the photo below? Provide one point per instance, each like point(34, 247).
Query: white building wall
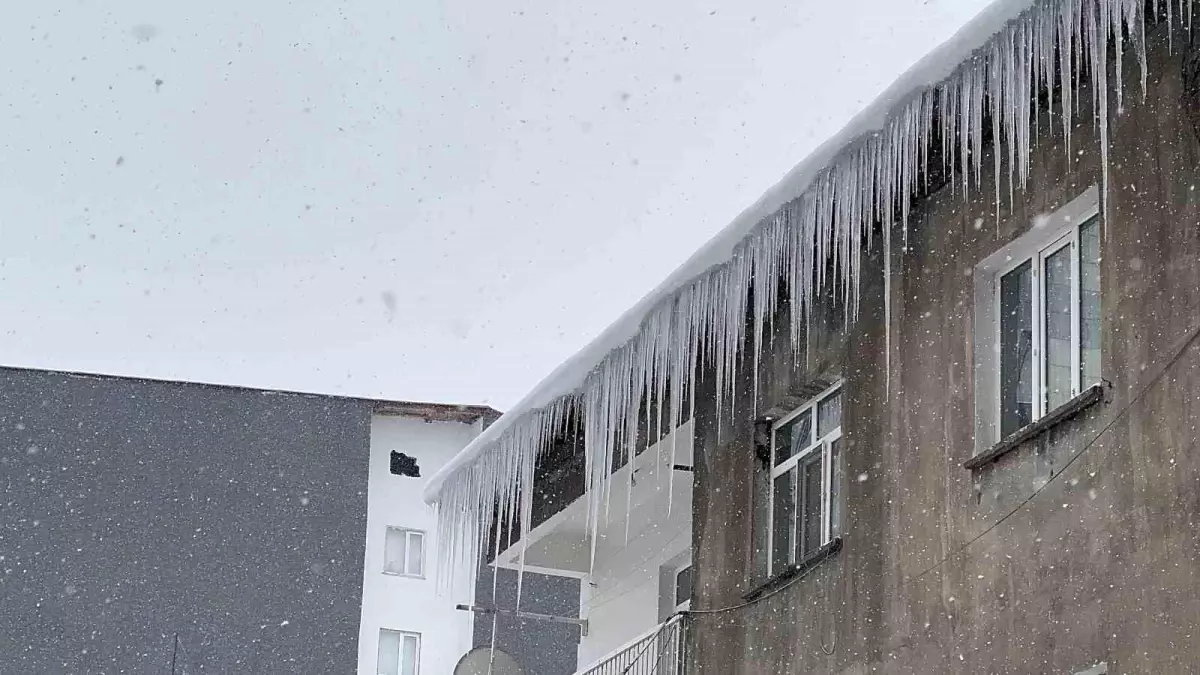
point(620, 599)
point(400, 603)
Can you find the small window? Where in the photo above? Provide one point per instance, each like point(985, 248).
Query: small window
point(683, 588)
point(1098, 669)
point(404, 552)
point(1038, 330)
point(805, 475)
point(399, 652)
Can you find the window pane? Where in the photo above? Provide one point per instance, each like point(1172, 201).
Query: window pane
point(835, 489)
point(1016, 343)
point(1089, 303)
point(416, 553)
point(389, 653)
point(812, 512)
point(793, 437)
point(394, 551)
point(783, 521)
point(1058, 327)
point(829, 414)
point(683, 586)
point(408, 655)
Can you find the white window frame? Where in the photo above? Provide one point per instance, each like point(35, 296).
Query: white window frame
point(400, 656)
point(409, 535)
point(821, 444)
point(1046, 238)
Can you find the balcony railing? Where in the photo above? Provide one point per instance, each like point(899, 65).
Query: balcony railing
point(663, 651)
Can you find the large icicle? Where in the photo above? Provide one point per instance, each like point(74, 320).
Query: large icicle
point(707, 322)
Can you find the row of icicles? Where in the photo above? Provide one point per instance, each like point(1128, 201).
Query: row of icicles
point(1054, 43)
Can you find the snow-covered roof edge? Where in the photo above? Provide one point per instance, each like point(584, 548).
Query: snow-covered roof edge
point(990, 73)
point(570, 376)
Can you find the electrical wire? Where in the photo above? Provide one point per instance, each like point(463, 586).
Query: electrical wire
point(649, 641)
point(1191, 339)
point(661, 652)
point(186, 659)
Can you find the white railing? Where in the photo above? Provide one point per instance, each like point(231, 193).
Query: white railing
point(663, 651)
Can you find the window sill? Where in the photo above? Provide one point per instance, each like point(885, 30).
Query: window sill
point(1084, 400)
point(403, 576)
point(810, 561)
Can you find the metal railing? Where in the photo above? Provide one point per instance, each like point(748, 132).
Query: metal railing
point(663, 651)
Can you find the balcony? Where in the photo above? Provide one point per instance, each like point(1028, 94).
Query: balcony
point(661, 651)
point(635, 574)
point(651, 501)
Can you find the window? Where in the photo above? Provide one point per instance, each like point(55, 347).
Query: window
point(1098, 669)
point(1038, 330)
point(683, 588)
point(805, 480)
point(404, 552)
point(1049, 326)
point(399, 652)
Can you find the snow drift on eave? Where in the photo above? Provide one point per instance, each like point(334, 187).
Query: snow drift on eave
point(823, 210)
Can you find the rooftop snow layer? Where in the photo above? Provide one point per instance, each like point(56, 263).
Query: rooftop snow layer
point(571, 375)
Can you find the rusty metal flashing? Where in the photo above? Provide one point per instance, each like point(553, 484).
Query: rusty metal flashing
point(436, 412)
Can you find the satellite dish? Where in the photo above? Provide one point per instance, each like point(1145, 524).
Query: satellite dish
point(477, 661)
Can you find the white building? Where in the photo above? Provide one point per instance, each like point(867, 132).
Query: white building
point(407, 627)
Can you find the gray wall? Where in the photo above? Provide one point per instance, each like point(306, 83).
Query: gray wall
point(1102, 563)
point(131, 510)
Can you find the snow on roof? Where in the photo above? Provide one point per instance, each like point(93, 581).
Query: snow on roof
point(825, 209)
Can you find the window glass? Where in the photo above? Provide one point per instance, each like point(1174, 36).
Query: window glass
point(1089, 303)
point(783, 516)
point(793, 437)
point(408, 655)
point(1016, 343)
point(835, 489)
point(812, 512)
point(683, 585)
point(829, 414)
point(389, 653)
point(395, 551)
point(1057, 328)
point(416, 554)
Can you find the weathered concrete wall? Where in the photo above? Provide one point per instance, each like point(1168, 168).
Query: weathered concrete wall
point(1101, 563)
point(131, 510)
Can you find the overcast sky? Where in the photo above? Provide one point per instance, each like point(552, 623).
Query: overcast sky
point(411, 200)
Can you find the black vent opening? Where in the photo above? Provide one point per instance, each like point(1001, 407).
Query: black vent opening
point(403, 465)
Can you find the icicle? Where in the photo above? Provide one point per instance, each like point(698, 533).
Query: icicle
point(887, 311)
